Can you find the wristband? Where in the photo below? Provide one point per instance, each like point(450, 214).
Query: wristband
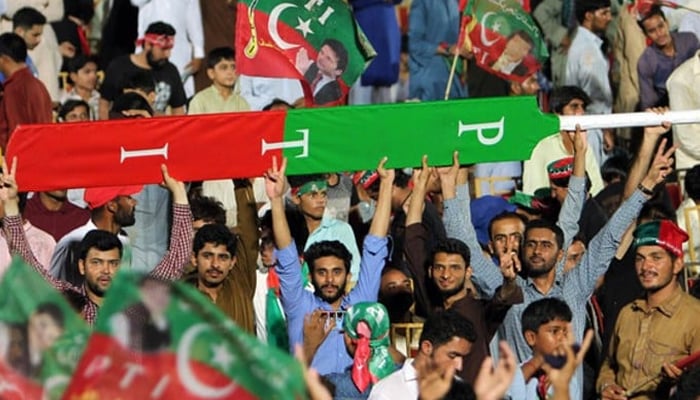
point(648, 192)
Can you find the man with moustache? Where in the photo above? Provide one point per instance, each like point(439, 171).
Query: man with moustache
point(157, 44)
point(329, 271)
point(654, 331)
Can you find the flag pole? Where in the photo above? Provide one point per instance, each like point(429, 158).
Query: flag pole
point(452, 76)
point(626, 120)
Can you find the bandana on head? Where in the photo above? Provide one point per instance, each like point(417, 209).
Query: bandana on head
point(163, 41)
point(561, 169)
point(365, 178)
point(662, 233)
point(308, 187)
point(368, 323)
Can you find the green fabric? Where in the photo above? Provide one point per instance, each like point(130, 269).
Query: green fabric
point(275, 325)
point(313, 186)
point(376, 316)
point(24, 294)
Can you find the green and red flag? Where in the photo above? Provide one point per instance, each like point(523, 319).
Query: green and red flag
point(220, 146)
point(41, 336)
point(302, 40)
point(503, 37)
point(164, 340)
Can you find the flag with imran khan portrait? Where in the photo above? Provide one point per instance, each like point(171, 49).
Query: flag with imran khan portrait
point(41, 336)
point(316, 41)
point(163, 340)
point(503, 37)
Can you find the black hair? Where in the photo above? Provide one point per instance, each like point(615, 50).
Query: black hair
point(692, 182)
point(218, 54)
point(688, 387)
point(277, 102)
point(452, 246)
point(78, 62)
point(340, 52)
point(52, 310)
point(140, 80)
point(656, 210)
point(326, 248)
point(544, 311)
point(13, 46)
point(654, 10)
point(216, 234)
point(460, 390)
point(69, 106)
point(523, 35)
point(401, 179)
point(27, 17)
point(442, 326)
point(129, 101)
point(161, 28)
point(561, 96)
point(503, 216)
point(546, 224)
point(100, 240)
point(615, 167)
point(299, 180)
point(581, 7)
point(207, 209)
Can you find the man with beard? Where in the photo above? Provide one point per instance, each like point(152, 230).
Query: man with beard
point(100, 251)
point(329, 266)
point(446, 274)
point(225, 265)
point(111, 209)
point(310, 195)
point(544, 247)
point(157, 45)
point(652, 332)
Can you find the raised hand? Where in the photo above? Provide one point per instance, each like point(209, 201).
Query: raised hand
point(421, 177)
point(9, 190)
point(275, 180)
point(433, 384)
point(177, 188)
point(580, 140)
point(560, 378)
point(494, 380)
point(509, 260)
point(660, 166)
point(384, 173)
point(657, 131)
point(448, 177)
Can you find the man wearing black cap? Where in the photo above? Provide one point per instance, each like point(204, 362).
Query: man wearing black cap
point(657, 330)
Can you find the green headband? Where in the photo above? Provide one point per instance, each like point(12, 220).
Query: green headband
point(312, 186)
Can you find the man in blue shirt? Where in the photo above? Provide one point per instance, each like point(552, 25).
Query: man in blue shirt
point(329, 270)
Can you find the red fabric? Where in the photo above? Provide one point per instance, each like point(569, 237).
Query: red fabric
point(163, 41)
point(361, 375)
point(55, 223)
point(97, 197)
point(82, 37)
point(542, 387)
point(273, 281)
point(59, 156)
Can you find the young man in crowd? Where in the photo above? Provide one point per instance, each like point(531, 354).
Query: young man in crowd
point(329, 269)
point(220, 97)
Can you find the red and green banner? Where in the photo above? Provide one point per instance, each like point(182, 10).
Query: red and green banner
point(503, 37)
point(315, 41)
point(164, 340)
point(238, 145)
point(41, 337)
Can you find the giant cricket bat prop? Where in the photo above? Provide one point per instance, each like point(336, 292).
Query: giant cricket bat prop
point(57, 156)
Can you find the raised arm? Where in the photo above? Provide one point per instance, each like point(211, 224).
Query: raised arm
point(570, 212)
point(382, 214)
point(248, 243)
point(458, 224)
point(641, 163)
point(12, 224)
point(173, 263)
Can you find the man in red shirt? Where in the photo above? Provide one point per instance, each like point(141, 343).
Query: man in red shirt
point(25, 99)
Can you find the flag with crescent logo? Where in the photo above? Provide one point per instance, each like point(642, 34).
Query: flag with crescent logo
point(41, 336)
point(503, 37)
point(315, 41)
point(157, 339)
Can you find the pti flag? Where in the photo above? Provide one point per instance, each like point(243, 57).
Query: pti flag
point(41, 336)
point(163, 340)
point(315, 41)
point(503, 37)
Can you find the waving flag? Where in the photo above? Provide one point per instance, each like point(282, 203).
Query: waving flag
point(503, 37)
point(315, 41)
point(164, 340)
point(41, 337)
